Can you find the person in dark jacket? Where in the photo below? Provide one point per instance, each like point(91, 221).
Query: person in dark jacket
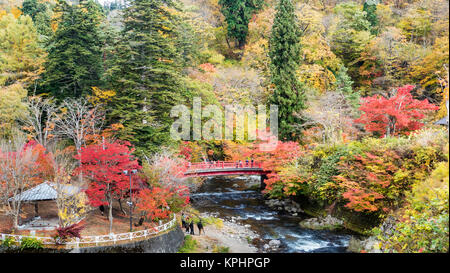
point(200, 227)
point(141, 221)
point(191, 226)
point(183, 221)
point(187, 224)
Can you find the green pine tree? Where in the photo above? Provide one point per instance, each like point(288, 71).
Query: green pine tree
point(237, 15)
point(284, 52)
point(74, 62)
point(147, 75)
point(344, 84)
point(41, 14)
point(370, 7)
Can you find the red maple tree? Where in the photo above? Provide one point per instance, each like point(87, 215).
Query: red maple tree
point(399, 114)
point(158, 202)
point(104, 164)
point(44, 161)
point(168, 191)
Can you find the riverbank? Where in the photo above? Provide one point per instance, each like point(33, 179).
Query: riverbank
point(227, 237)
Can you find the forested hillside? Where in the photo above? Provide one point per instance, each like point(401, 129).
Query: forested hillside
point(359, 84)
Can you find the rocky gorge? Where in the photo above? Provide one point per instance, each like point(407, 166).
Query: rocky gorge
point(268, 225)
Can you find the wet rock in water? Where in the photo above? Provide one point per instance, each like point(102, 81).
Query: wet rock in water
point(329, 250)
point(235, 185)
point(329, 222)
point(388, 225)
point(287, 205)
point(370, 245)
point(274, 243)
point(266, 246)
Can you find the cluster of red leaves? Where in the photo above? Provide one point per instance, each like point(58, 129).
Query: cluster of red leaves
point(154, 202)
point(401, 113)
point(207, 67)
point(108, 133)
point(365, 180)
point(191, 151)
point(104, 164)
point(185, 151)
point(40, 165)
point(44, 161)
point(72, 231)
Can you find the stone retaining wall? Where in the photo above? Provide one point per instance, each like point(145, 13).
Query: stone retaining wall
point(168, 242)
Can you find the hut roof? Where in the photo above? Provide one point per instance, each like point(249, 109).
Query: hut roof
point(443, 121)
point(45, 191)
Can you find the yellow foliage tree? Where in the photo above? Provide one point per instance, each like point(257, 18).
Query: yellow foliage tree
point(432, 70)
point(21, 62)
point(100, 96)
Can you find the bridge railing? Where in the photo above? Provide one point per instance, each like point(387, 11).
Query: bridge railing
point(223, 165)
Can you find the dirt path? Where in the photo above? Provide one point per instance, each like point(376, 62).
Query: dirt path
point(233, 236)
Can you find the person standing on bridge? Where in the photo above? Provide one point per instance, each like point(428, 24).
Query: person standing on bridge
point(246, 162)
point(252, 162)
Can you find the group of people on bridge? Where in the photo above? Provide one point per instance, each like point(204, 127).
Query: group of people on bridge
point(218, 164)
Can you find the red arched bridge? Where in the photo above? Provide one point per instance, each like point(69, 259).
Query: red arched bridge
point(222, 168)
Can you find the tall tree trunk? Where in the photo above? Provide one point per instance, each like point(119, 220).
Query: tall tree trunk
point(16, 216)
point(121, 208)
point(110, 216)
point(16, 221)
point(80, 176)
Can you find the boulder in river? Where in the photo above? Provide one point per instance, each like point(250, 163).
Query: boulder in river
point(274, 243)
point(284, 205)
point(369, 245)
point(329, 222)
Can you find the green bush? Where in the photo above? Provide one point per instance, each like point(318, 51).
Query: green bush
point(9, 242)
point(30, 243)
point(189, 245)
point(221, 249)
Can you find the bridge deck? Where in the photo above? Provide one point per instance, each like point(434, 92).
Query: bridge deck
point(225, 168)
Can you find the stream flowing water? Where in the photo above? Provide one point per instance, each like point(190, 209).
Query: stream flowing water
point(230, 198)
